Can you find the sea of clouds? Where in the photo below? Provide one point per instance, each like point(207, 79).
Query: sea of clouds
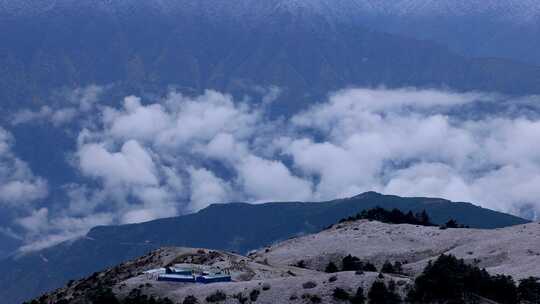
point(149, 159)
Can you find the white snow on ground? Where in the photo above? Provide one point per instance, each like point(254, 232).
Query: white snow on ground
point(276, 283)
point(274, 291)
point(513, 250)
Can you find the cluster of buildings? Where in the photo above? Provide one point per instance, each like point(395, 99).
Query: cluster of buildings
point(185, 274)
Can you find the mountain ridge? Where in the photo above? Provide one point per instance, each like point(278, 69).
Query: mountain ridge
point(525, 9)
point(282, 269)
point(237, 227)
point(233, 48)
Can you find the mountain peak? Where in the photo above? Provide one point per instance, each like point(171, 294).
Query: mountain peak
point(367, 194)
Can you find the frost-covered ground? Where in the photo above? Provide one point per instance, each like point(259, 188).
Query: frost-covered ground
point(277, 290)
point(279, 283)
point(513, 250)
point(270, 273)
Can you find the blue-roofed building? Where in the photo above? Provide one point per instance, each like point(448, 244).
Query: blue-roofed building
point(177, 278)
point(180, 270)
point(183, 274)
point(213, 278)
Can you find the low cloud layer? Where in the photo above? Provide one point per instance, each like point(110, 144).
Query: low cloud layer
point(149, 159)
point(66, 106)
point(394, 145)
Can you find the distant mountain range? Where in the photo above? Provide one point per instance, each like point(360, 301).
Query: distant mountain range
point(307, 48)
point(236, 227)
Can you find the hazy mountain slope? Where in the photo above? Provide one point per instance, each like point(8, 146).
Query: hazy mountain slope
point(507, 28)
point(306, 47)
point(511, 251)
point(8, 244)
point(239, 227)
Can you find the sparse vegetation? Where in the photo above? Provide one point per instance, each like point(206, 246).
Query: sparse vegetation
point(312, 298)
point(217, 296)
point(449, 279)
point(340, 294)
point(309, 285)
point(369, 267)
point(453, 224)
point(315, 299)
point(103, 294)
point(394, 216)
point(352, 263)
point(529, 290)
point(137, 297)
point(359, 297)
point(300, 264)
point(331, 268)
point(241, 298)
point(190, 300)
point(396, 268)
point(254, 295)
point(380, 294)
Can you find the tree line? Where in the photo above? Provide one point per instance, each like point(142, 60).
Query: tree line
point(396, 216)
point(448, 280)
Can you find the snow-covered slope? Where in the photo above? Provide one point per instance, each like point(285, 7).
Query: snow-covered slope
point(274, 284)
point(513, 250)
point(270, 272)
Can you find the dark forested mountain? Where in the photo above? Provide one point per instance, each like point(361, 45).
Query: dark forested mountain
point(237, 226)
point(305, 47)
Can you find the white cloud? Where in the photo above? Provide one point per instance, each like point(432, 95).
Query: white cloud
point(35, 221)
point(429, 180)
point(45, 231)
point(16, 191)
point(401, 141)
point(85, 98)
point(206, 189)
point(63, 116)
point(18, 185)
point(179, 154)
point(139, 188)
point(341, 171)
point(265, 180)
point(25, 116)
point(131, 165)
point(67, 105)
point(137, 122)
